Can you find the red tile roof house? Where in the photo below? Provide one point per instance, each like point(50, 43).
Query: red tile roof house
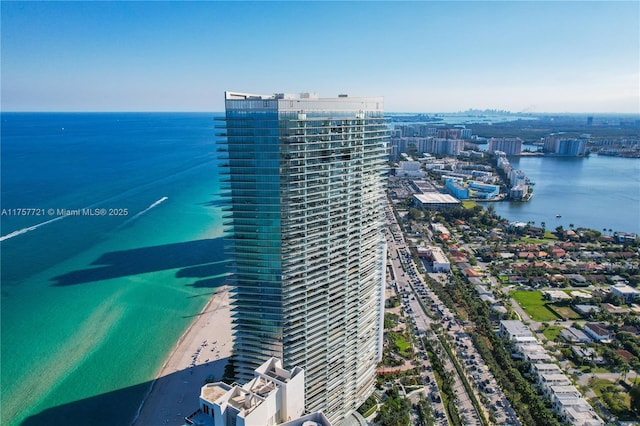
point(526, 255)
point(590, 266)
point(625, 354)
point(558, 277)
point(459, 257)
point(629, 329)
point(472, 273)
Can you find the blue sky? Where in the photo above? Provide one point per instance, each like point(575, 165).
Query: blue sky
point(539, 56)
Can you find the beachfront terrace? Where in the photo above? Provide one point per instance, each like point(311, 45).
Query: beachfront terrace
point(273, 396)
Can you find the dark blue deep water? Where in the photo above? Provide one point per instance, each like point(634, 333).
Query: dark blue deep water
point(92, 304)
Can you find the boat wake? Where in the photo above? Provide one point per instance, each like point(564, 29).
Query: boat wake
point(29, 229)
point(201, 162)
point(155, 204)
point(34, 227)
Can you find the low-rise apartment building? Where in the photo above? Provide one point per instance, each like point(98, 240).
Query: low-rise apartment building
point(272, 397)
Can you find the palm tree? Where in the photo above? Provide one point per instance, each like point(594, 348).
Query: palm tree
point(491, 210)
point(624, 370)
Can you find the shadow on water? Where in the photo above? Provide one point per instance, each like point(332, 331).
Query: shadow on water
point(193, 296)
point(216, 203)
point(202, 260)
point(199, 258)
point(119, 407)
point(208, 283)
point(199, 271)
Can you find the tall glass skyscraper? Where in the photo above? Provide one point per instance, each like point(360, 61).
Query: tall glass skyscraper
point(306, 182)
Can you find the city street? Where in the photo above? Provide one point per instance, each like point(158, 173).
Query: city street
point(425, 309)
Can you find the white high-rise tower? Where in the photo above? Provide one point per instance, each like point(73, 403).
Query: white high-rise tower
point(306, 181)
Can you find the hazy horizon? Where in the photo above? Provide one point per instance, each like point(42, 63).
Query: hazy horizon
point(474, 110)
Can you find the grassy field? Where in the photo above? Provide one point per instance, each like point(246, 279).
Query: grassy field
point(552, 332)
point(598, 385)
point(617, 400)
point(534, 305)
point(596, 369)
point(401, 344)
point(546, 239)
point(528, 240)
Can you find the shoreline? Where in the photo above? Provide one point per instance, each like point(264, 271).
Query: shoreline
point(173, 393)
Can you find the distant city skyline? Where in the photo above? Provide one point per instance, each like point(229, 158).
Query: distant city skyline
point(520, 56)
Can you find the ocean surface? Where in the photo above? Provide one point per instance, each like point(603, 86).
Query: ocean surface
point(91, 305)
point(93, 301)
point(596, 192)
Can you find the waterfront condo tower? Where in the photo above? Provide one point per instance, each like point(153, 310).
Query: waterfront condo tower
point(306, 182)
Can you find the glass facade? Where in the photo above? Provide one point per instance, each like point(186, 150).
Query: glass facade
point(305, 178)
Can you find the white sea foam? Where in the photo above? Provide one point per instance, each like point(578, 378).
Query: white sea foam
point(29, 229)
point(155, 204)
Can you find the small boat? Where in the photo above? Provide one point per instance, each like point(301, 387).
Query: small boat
point(558, 215)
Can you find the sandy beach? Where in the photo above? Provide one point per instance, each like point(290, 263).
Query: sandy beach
point(201, 352)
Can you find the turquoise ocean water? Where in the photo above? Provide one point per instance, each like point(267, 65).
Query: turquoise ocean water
point(92, 305)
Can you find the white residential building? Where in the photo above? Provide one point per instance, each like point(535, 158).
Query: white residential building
point(513, 329)
point(541, 368)
point(437, 256)
point(577, 412)
point(535, 353)
point(274, 396)
point(547, 380)
point(409, 169)
point(625, 291)
point(598, 332)
point(510, 146)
